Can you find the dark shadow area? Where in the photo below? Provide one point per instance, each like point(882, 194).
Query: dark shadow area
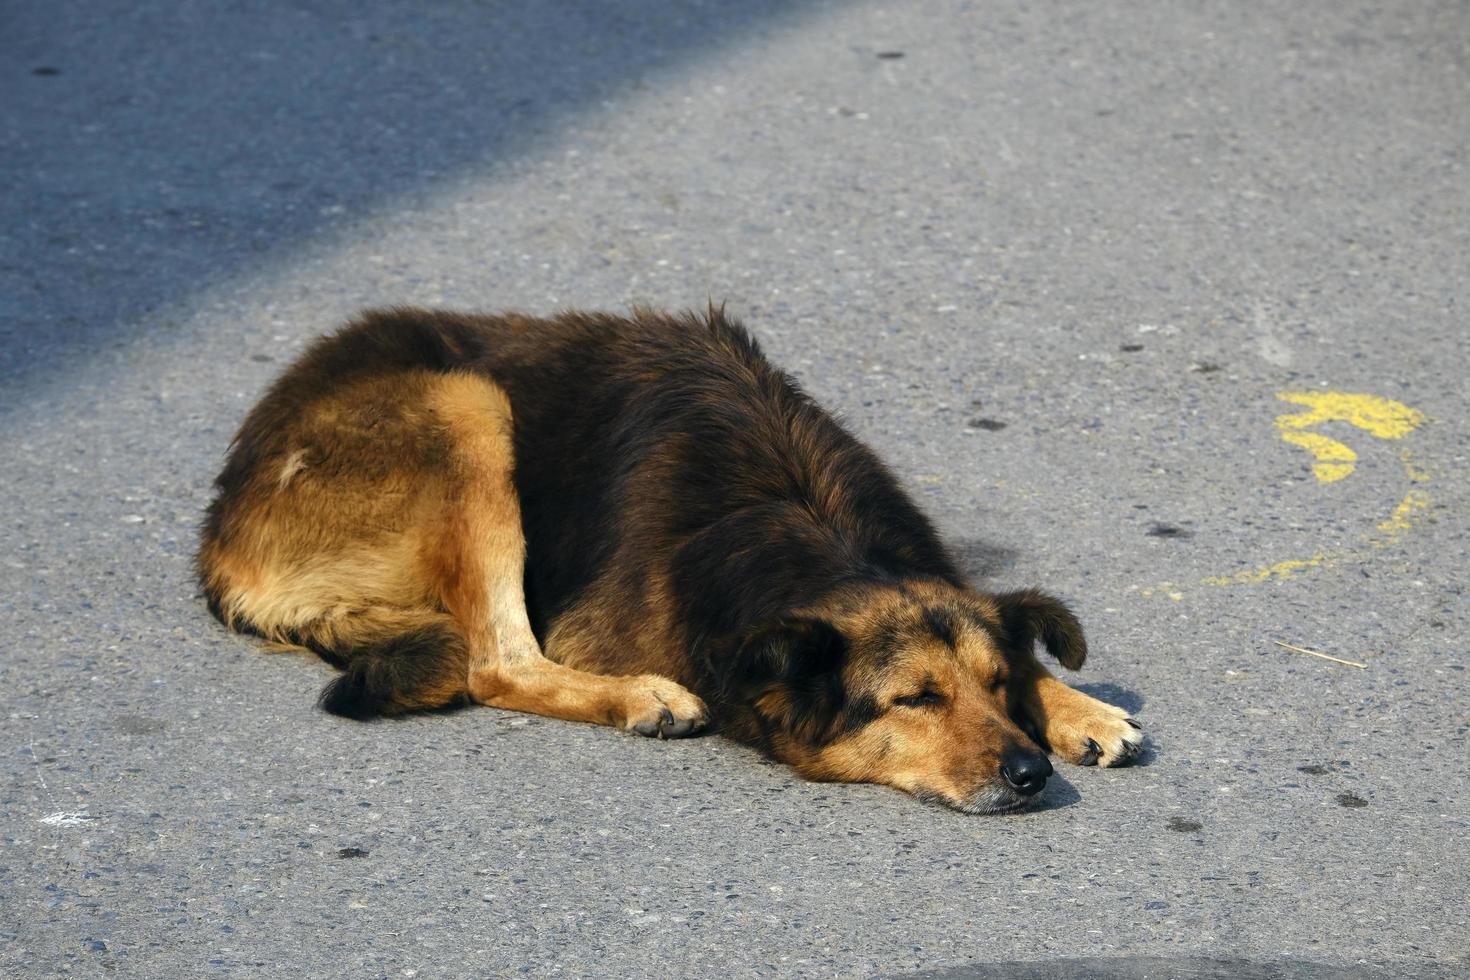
point(1058, 795)
point(1129, 701)
point(980, 560)
point(148, 151)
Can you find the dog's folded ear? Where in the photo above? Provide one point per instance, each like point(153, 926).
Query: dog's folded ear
point(790, 674)
point(794, 646)
point(1029, 617)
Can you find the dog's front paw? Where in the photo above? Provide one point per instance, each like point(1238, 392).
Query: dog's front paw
point(1097, 734)
point(658, 707)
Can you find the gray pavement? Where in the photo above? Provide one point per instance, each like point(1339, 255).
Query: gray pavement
point(1056, 261)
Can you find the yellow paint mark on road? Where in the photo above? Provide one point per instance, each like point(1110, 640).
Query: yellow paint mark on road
point(1381, 418)
point(1413, 470)
point(1404, 515)
point(1410, 510)
point(1334, 460)
point(1165, 588)
point(1281, 569)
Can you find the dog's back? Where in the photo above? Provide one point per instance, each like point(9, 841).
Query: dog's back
point(678, 490)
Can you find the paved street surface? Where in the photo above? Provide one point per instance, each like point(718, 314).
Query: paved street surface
point(1056, 261)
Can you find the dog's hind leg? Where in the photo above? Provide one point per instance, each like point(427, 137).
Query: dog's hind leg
point(477, 565)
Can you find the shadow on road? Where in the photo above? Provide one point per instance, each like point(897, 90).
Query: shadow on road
point(1130, 701)
point(980, 560)
point(1059, 795)
point(149, 151)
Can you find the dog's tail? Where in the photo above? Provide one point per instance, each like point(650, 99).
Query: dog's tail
point(393, 661)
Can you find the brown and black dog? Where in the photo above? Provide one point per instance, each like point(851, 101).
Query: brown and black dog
point(636, 522)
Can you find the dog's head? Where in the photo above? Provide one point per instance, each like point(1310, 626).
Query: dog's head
point(917, 685)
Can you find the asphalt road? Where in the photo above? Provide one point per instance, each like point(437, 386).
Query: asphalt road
point(1056, 261)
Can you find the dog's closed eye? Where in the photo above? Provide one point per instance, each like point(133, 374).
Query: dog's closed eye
point(924, 699)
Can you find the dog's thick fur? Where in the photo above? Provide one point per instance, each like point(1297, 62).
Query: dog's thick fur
point(623, 520)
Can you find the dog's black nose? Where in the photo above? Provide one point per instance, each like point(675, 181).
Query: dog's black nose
point(1026, 771)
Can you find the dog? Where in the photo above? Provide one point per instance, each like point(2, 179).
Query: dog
point(632, 521)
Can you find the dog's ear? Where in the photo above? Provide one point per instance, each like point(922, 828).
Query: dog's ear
point(794, 646)
point(790, 673)
point(1029, 616)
